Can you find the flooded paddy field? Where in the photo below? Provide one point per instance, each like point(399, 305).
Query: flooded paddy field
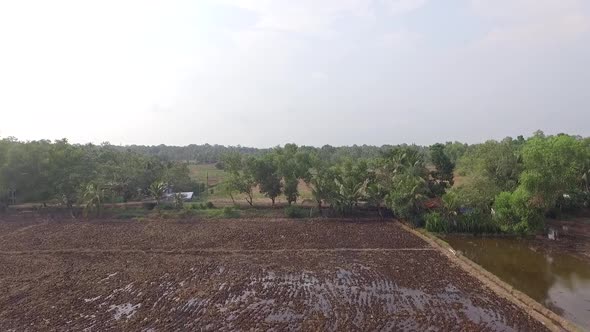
point(239, 275)
point(546, 271)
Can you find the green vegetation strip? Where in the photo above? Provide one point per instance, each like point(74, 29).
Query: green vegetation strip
point(553, 321)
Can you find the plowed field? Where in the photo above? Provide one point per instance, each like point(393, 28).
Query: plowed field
point(334, 275)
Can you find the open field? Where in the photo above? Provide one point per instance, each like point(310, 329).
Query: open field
point(200, 172)
point(216, 178)
point(238, 274)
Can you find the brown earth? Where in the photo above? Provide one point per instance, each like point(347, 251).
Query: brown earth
point(336, 275)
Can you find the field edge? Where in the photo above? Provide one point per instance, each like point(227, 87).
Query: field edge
point(545, 316)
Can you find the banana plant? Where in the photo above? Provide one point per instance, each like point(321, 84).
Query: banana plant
point(93, 197)
point(157, 190)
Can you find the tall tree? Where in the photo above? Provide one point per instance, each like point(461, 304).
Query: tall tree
point(266, 174)
point(442, 175)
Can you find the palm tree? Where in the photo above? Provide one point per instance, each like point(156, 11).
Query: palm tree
point(157, 190)
point(348, 193)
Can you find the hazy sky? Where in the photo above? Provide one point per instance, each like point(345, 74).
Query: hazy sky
point(314, 72)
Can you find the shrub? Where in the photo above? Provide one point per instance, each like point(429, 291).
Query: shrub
point(229, 212)
point(295, 212)
point(436, 223)
point(178, 201)
point(148, 205)
point(195, 206)
point(475, 223)
point(167, 206)
point(210, 205)
point(516, 212)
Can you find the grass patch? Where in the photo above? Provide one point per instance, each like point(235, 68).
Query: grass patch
point(199, 172)
point(295, 212)
point(224, 213)
point(130, 213)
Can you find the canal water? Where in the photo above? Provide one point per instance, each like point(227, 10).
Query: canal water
point(559, 281)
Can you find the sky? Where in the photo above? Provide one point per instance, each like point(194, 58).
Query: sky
point(268, 72)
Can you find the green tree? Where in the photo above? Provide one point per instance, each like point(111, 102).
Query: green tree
point(25, 170)
point(266, 174)
point(406, 197)
point(289, 170)
point(498, 162)
point(157, 190)
point(240, 177)
point(516, 212)
point(321, 180)
point(442, 175)
point(553, 167)
point(70, 166)
point(351, 183)
point(408, 187)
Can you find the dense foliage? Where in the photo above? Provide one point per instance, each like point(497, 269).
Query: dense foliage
point(497, 186)
point(506, 186)
point(44, 172)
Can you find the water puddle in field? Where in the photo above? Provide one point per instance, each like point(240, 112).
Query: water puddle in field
point(338, 298)
point(352, 295)
point(125, 310)
point(561, 282)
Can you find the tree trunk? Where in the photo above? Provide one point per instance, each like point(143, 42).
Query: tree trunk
point(249, 199)
point(70, 206)
point(320, 207)
point(273, 201)
point(232, 198)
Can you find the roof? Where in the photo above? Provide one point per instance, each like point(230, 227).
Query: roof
point(187, 195)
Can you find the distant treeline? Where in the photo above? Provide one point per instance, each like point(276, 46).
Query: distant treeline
point(200, 154)
point(208, 154)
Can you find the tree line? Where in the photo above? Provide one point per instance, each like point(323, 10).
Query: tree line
point(510, 185)
point(507, 186)
point(49, 172)
point(209, 154)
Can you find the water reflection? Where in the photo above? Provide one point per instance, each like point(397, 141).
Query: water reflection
point(559, 281)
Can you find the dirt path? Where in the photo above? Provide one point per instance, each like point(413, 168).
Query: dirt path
point(240, 275)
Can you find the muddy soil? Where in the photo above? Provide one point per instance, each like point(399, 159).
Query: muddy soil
point(238, 275)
